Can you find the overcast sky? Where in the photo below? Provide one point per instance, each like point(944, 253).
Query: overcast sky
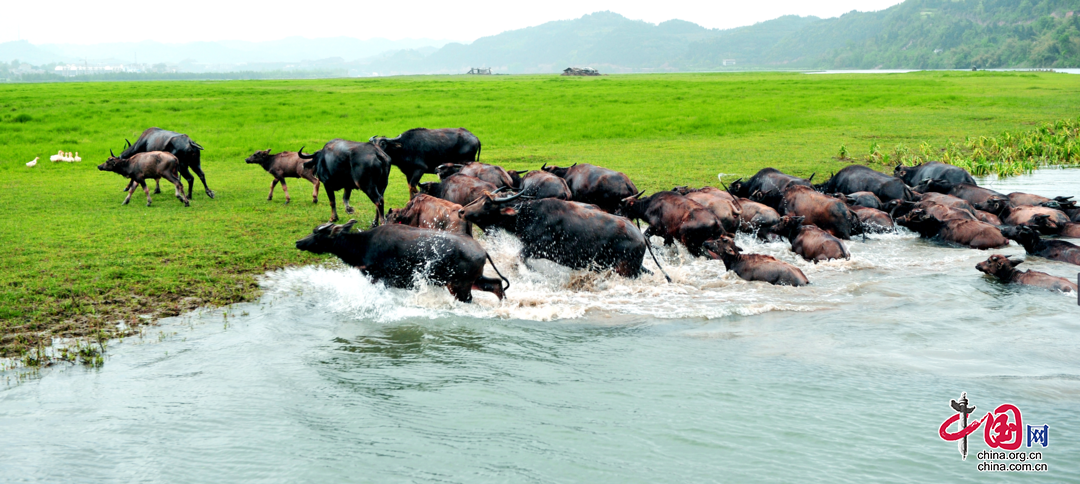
point(91, 22)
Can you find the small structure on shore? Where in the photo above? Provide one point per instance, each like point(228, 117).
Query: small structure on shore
point(481, 71)
point(580, 71)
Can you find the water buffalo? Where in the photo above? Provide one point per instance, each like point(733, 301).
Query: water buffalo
point(674, 217)
point(1058, 250)
point(754, 267)
point(141, 166)
point(987, 217)
point(980, 198)
point(1073, 213)
point(1004, 269)
point(284, 165)
point(492, 174)
point(873, 220)
point(349, 165)
point(401, 255)
point(1057, 203)
point(859, 178)
point(1046, 220)
point(862, 199)
point(756, 217)
point(972, 233)
point(428, 212)
point(186, 151)
point(1071, 230)
point(766, 186)
point(719, 202)
point(460, 189)
point(937, 210)
point(419, 150)
point(576, 235)
point(541, 184)
point(830, 214)
point(810, 242)
point(592, 184)
point(913, 175)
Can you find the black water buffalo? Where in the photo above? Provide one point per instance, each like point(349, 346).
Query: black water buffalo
point(1057, 203)
point(428, 212)
point(541, 184)
point(142, 166)
point(1004, 269)
point(981, 198)
point(400, 255)
point(810, 242)
point(1058, 250)
point(285, 165)
point(186, 151)
point(1046, 220)
point(573, 234)
point(460, 189)
point(913, 175)
point(492, 174)
point(767, 186)
point(1073, 213)
point(349, 165)
point(873, 220)
point(592, 184)
point(419, 150)
point(674, 217)
point(754, 267)
point(972, 233)
point(862, 199)
point(719, 202)
point(859, 178)
point(828, 213)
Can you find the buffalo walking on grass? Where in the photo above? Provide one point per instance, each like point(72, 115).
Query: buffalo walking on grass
point(284, 165)
point(142, 166)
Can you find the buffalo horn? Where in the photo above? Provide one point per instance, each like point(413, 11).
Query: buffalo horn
point(128, 143)
point(300, 153)
point(639, 194)
point(544, 166)
point(111, 153)
point(506, 199)
point(808, 180)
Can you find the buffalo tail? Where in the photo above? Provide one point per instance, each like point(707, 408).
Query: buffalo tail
point(497, 272)
point(648, 245)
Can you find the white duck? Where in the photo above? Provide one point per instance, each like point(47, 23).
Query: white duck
point(77, 158)
point(33, 161)
point(58, 156)
point(68, 157)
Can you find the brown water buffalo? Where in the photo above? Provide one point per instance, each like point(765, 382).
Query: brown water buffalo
point(1046, 220)
point(828, 213)
point(719, 202)
point(913, 175)
point(147, 165)
point(460, 189)
point(971, 233)
point(859, 178)
point(810, 242)
point(873, 220)
point(1058, 250)
point(980, 198)
point(402, 256)
point(185, 149)
point(756, 217)
point(862, 199)
point(284, 165)
point(421, 150)
point(987, 217)
point(674, 217)
point(947, 201)
point(541, 184)
point(767, 186)
point(592, 184)
point(754, 267)
point(1057, 203)
point(349, 165)
point(492, 174)
point(1071, 230)
point(1005, 269)
point(939, 211)
point(428, 212)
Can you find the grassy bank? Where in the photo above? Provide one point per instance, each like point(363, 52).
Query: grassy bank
point(74, 261)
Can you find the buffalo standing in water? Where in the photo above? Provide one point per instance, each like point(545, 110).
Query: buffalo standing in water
point(767, 186)
point(186, 151)
point(460, 189)
point(155, 164)
point(754, 267)
point(859, 178)
point(1004, 269)
point(972, 233)
point(592, 184)
point(398, 254)
point(541, 184)
point(1058, 250)
point(810, 242)
point(348, 165)
point(719, 202)
point(420, 150)
point(674, 217)
point(913, 175)
point(284, 165)
point(428, 212)
point(830, 214)
point(981, 198)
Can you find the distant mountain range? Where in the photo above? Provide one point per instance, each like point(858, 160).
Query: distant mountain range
point(915, 34)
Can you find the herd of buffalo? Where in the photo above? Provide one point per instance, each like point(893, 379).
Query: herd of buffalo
point(583, 216)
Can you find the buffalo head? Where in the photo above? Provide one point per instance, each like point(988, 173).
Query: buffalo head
point(555, 170)
point(737, 188)
point(447, 169)
point(386, 144)
point(112, 163)
point(321, 240)
point(260, 157)
point(1023, 234)
point(487, 209)
point(934, 185)
point(788, 226)
point(722, 247)
point(999, 265)
point(629, 207)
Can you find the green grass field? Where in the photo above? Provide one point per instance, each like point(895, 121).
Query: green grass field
point(74, 260)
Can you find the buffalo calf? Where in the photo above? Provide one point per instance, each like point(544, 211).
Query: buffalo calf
point(1004, 269)
point(147, 165)
point(754, 267)
point(810, 242)
point(284, 165)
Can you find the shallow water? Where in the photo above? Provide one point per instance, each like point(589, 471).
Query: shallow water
point(577, 377)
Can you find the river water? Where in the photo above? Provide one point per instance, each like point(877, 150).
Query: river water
point(577, 377)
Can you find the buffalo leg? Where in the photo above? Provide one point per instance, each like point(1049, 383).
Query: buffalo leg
point(179, 187)
point(157, 186)
point(315, 194)
point(490, 284)
point(285, 188)
point(348, 194)
point(146, 189)
point(184, 172)
point(376, 198)
point(273, 185)
point(333, 205)
point(131, 191)
point(197, 168)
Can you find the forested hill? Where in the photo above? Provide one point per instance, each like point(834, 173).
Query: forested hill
point(914, 34)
